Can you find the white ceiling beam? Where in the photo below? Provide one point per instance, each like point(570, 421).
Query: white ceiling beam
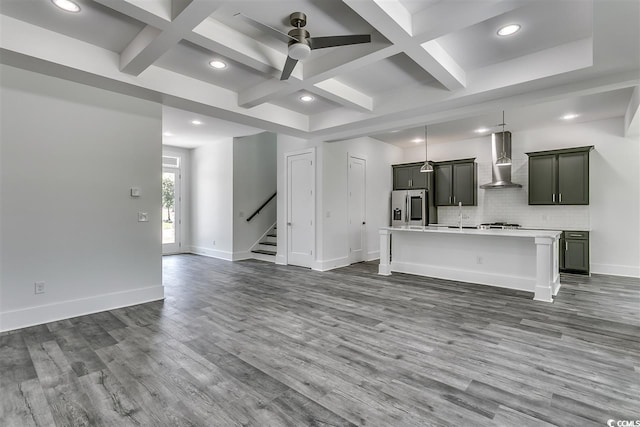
point(387, 17)
point(209, 34)
point(632, 114)
point(151, 43)
point(213, 35)
point(37, 49)
point(138, 12)
point(339, 92)
point(320, 70)
point(217, 37)
point(471, 104)
point(442, 66)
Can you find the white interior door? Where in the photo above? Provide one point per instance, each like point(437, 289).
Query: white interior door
point(357, 209)
point(300, 209)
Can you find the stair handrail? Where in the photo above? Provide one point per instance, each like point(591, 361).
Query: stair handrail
point(261, 207)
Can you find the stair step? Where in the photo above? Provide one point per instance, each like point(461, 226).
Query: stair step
point(272, 235)
point(269, 243)
point(261, 251)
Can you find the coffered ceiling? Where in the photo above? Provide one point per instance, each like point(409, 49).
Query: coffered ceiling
point(429, 62)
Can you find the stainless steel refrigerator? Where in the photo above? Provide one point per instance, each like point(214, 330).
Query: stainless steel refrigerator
point(412, 207)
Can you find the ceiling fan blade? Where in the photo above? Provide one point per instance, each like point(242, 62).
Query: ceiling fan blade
point(273, 32)
point(288, 68)
point(331, 41)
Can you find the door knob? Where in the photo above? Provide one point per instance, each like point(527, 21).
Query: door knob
point(289, 224)
point(363, 222)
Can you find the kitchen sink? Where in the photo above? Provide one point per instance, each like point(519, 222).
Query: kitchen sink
point(469, 227)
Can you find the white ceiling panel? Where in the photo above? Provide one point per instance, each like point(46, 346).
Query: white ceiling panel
point(193, 61)
point(317, 106)
point(392, 73)
point(96, 24)
point(180, 132)
point(544, 24)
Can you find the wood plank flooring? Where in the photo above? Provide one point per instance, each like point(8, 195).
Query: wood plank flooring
point(256, 344)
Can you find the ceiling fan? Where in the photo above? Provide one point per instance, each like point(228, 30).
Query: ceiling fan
point(300, 41)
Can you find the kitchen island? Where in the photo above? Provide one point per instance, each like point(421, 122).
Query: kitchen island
point(526, 260)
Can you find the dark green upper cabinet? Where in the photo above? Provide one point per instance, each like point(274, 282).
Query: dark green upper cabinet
point(401, 177)
point(464, 183)
point(408, 177)
point(542, 180)
point(456, 181)
point(444, 184)
point(559, 177)
point(573, 178)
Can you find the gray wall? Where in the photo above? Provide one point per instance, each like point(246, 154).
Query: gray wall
point(254, 180)
point(69, 155)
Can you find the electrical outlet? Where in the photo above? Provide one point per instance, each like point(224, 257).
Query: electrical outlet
point(38, 288)
point(143, 217)
point(214, 243)
point(479, 260)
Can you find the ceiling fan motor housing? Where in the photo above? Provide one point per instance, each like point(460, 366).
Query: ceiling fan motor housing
point(299, 49)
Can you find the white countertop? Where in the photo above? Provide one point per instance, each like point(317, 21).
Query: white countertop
point(475, 231)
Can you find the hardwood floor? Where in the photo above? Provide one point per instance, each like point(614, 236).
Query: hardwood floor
point(256, 344)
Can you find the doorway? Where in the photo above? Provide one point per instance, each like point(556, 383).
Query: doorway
point(357, 209)
point(300, 208)
point(171, 201)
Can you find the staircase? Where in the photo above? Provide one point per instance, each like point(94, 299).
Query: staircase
point(267, 248)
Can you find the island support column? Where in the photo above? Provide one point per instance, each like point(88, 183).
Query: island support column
point(385, 253)
point(547, 273)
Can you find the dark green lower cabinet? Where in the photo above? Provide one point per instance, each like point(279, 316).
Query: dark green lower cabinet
point(574, 252)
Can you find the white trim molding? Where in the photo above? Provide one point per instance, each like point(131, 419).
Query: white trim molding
point(212, 253)
point(616, 270)
point(31, 316)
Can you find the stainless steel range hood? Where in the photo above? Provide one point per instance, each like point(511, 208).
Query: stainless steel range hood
point(501, 175)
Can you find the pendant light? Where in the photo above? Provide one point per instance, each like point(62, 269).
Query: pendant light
point(503, 160)
point(427, 166)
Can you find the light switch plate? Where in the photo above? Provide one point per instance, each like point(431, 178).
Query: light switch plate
point(135, 191)
point(143, 217)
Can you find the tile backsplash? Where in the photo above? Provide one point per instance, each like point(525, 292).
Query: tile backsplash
point(511, 205)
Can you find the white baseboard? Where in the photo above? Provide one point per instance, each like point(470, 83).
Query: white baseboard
point(239, 256)
point(331, 264)
point(280, 259)
point(468, 276)
point(373, 255)
point(31, 316)
point(616, 270)
point(213, 253)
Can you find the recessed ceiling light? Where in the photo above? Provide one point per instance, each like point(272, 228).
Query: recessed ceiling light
point(569, 116)
point(67, 5)
point(507, 30)
point(217, 64)
point(482, 130)
point(196, 122)
point(417, 140)
point(306, 98)
point(167, 134)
